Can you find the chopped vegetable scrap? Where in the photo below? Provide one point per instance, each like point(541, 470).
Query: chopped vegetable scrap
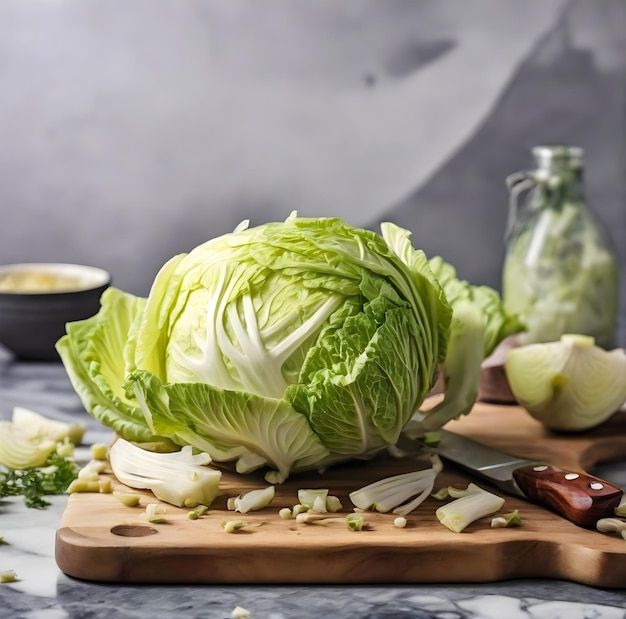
point(468, 506)
point(200, 511)
point(400, 522)
point(319, 500)
point(355, 522)
point(155, 513)
point(252, 501)
point(232, 526)
point(8, 576)
point(512, 519)
point(612, 525)
point(127, 498)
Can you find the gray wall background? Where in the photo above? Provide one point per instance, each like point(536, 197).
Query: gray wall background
point(131, 130)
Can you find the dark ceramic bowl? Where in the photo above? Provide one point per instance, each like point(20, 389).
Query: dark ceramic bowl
point(38, 299)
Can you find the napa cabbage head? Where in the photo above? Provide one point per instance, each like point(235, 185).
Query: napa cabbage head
point(290, 345)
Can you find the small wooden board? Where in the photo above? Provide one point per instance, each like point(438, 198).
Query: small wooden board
point(100, 539)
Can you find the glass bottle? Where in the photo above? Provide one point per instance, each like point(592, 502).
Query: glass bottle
point(560, 270)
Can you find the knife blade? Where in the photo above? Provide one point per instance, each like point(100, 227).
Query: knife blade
point(581, 498)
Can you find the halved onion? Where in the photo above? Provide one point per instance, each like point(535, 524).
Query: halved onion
point(569, 385)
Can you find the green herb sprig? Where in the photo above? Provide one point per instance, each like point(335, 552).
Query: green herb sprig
point(35, 483)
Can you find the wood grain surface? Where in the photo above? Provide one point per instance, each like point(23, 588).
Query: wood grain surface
point(100, 539)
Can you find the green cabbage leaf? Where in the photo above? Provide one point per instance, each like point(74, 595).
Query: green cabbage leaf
point(479, 323)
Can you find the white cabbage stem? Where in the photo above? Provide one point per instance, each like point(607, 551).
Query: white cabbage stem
point(180, 478)
point(395, 493)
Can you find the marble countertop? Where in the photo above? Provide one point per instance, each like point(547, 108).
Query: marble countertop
point(42, 591)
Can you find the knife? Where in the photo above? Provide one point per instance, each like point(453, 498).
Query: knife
point(581, 498)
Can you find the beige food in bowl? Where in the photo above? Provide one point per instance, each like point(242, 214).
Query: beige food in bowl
point(33, 281)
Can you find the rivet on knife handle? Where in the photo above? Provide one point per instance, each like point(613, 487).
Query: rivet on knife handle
point(581, 498)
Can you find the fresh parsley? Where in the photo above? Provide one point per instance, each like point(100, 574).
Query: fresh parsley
point(36, 482)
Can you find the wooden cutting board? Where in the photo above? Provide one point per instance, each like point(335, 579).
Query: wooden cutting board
point(100, 539)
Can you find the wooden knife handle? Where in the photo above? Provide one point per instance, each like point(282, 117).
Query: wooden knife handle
point(583, 499)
